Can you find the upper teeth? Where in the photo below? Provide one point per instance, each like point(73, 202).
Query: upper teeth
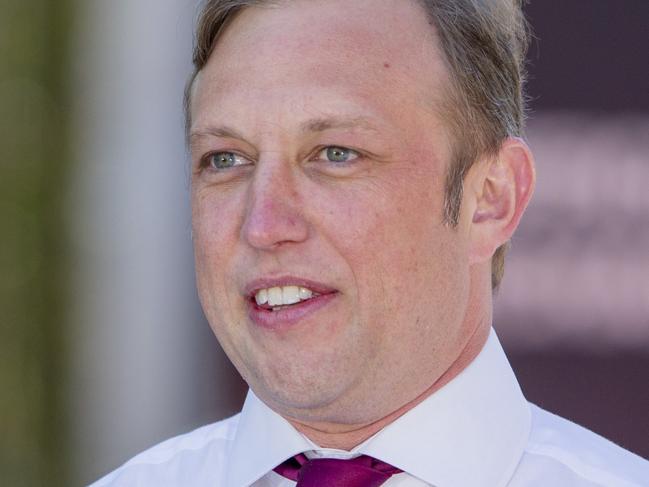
point(283, 295)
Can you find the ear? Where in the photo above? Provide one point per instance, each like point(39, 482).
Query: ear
point(499, 190)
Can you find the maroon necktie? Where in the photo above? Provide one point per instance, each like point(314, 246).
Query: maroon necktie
point(361, 471)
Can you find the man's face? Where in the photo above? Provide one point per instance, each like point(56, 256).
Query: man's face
point(319, 162)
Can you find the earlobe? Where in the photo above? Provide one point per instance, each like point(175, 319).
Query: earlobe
point(503, 188)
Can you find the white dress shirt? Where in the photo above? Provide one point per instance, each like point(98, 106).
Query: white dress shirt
point(476, 431)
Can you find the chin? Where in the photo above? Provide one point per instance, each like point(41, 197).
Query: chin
point(307, 398)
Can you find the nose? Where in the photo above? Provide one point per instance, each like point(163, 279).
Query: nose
point(274, 213)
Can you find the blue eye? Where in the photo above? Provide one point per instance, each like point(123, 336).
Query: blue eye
point(226, 160)
point(338, 154)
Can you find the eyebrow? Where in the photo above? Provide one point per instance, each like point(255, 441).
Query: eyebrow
point(309, 126)
point(222, 131)
point(329, 123)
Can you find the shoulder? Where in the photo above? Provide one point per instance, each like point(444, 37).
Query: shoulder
point(195, 458)
point(592, 459)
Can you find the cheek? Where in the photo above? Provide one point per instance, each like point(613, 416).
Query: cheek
point(392, 235)
point(211, 234)
point(214, 219)
point(213, 250)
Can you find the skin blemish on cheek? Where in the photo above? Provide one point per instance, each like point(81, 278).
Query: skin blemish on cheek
point(386, 65)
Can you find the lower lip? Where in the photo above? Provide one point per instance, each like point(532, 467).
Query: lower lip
point(287, 317)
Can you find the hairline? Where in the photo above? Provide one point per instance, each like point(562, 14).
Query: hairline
point(446, 106)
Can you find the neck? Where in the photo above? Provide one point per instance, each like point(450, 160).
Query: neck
point(332, 436)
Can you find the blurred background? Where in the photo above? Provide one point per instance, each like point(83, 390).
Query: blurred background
point(104, 350)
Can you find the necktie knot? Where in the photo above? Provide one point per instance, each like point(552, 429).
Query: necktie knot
point(362, 471)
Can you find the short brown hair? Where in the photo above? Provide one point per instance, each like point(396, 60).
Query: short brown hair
point(484, 44)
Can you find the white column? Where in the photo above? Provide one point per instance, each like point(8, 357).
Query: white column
point(144, 365)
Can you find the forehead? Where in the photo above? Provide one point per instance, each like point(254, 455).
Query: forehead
point(367, 49)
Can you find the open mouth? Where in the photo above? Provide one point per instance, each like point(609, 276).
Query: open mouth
point(279, 298)
point(280, 303)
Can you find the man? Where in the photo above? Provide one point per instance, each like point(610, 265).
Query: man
point(358, 170)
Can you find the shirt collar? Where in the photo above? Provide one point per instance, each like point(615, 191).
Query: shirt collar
point(472, 431)
point(263, 440)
